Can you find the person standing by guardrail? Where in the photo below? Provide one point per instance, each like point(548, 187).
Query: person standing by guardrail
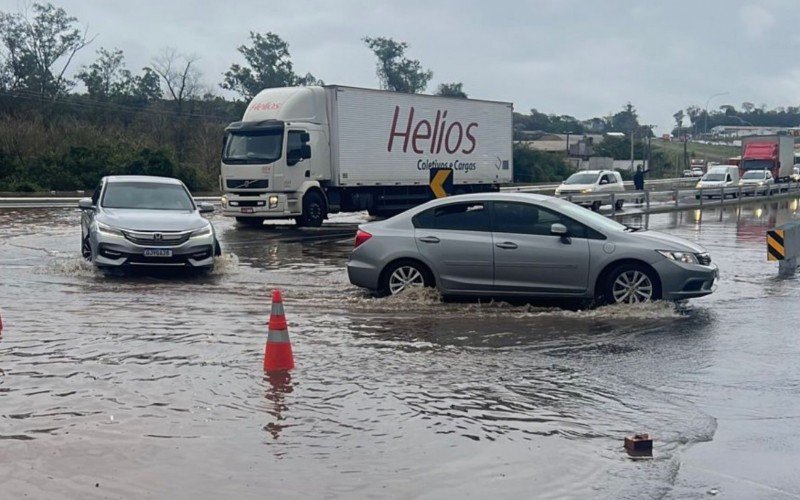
point(638, 178)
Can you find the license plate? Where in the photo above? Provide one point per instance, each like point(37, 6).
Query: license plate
point(157, 252)
point(247, 210)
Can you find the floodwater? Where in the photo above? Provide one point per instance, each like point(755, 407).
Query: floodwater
point(136, 386)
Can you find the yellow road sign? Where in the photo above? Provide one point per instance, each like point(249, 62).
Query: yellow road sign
point(775, 249)
point(441, 181)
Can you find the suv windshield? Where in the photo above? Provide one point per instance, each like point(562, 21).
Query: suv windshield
point(582, 178)
point(263, 146)
point(714, 177)
point(754, 174)
point(147, 196)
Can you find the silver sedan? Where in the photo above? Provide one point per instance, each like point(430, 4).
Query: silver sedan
point(146, 221)
point(511, 244)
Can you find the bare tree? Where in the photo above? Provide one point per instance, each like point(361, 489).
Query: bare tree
point(179, 74)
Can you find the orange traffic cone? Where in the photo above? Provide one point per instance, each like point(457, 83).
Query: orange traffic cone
point(278, 351)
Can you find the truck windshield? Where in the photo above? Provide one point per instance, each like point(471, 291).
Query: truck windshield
point(714, 177)
point(757, 164)
point(581, 178)
point(263, 146)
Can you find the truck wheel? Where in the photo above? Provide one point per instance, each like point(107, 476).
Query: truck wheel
point(250, 221)
point(596, 206)
point(314, 211)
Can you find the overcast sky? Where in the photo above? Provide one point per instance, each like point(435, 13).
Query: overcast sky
point(571, 57)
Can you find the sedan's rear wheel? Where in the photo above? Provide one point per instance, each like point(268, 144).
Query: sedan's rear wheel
point(631, 284)
point(404, 275)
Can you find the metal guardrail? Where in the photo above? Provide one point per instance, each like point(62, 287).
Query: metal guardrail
point(653, 201)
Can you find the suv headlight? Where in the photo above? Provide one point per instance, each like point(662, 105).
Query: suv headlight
point(685, 257)
point(107, 230)
point(202, 233)
point(224, 201)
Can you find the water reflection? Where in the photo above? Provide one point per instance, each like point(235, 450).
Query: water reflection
point(277, 385)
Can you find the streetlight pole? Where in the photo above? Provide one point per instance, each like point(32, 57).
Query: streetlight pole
point(705, 122)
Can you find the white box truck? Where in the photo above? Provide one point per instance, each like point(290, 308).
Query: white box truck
point(305, 152)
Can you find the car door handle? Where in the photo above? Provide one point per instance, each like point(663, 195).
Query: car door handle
point(507, 245)
point(429, 239)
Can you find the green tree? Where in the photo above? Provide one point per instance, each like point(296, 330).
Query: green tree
point(626, 121)
point(104, 76)
point(531, 165)
point(396, 72)
point(38, 50)
point(451, 90)
point(268, 65)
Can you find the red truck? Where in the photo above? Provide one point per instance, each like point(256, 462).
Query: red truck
point(768, 152)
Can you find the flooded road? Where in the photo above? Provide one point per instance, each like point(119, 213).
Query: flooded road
point(129, 386)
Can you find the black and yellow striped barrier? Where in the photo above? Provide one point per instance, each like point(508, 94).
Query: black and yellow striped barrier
point(783, 246)
point(775, 245)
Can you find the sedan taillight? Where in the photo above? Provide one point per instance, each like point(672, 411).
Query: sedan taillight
point(361, 237)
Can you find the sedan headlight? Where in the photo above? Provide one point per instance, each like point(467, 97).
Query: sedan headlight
point(586, 191)
point(107, 230)
point(202, 233)
point(685, 257)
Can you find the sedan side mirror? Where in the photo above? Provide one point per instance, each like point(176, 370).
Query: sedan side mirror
point(561, 230)
point(205, 208)
point(85, 204)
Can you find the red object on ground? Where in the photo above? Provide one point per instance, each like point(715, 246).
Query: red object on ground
point(278, 351)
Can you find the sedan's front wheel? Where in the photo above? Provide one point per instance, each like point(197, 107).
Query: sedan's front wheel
point(86, 248)
point(631, 284)
point(403, 275)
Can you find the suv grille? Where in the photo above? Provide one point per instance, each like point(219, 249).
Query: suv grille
point(704, 259)
point(157, 238)
point(247, 183)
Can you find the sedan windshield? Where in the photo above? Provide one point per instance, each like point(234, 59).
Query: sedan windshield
point(264, 146)
point(581, 178)
point(754, 174)
point(147, 196)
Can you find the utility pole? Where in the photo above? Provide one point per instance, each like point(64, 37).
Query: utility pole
point(632, 169)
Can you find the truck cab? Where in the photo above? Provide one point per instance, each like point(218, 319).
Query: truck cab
point(274, 156)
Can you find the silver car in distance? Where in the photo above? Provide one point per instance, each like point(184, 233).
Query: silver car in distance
point(146, 221)
point(513, 244)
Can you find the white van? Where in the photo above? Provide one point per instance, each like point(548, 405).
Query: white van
point(719, 176)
